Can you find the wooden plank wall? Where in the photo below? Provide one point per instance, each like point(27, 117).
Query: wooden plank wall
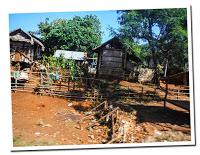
point(111, 62)
point(16, 50)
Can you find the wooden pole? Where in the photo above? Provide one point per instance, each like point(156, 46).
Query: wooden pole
point(68, 83)
point(94, 95)
point(114, 139)
point(117, 115)
point(41, 78)
point(129, 92)
point(142, 92)
point(105, 116)
point(105, 105)
point(154, 94)
point(113, 125)
point(166, 64)
point(86, 84)
point(15, 82)
point(74, 85)
point(60, 84)
point(177, 94)
point(166, 92)
point(124, 134)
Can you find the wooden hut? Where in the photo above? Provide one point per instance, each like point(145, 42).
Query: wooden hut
point(24, 48)
point(113, 59)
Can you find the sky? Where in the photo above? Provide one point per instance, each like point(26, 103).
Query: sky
point(30, 21)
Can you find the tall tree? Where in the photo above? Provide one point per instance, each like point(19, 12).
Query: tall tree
point(81, 34)
point(162, 31)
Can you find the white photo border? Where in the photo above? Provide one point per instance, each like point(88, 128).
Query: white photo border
point(154, 144)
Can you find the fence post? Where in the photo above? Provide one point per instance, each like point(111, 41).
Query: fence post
point(74, 83)
point(166, 92)
point(16, 76)
point(154, 94)
point(142, 92)
point(177, 95)
point(60, 84)
point(15, 82)
point(86, 84)
point(129, 93)
point(105, 105)
point(113, 125)
point(68, 83)
point(117, 115)
point(41, 78)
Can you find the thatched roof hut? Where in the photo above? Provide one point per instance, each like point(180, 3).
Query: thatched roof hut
point(24, 47)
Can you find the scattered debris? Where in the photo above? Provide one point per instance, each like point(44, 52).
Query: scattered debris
point(42, 124)
point(66, 115)
point(70, 104)
point(167, 136)
point(37, 133)
point(56, 133)
point(91, 136)
point(47, 125)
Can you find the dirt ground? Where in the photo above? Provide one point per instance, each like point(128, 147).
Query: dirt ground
point(45, 120)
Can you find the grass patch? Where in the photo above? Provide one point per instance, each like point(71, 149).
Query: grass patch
point(18, 141)
point(41, 143)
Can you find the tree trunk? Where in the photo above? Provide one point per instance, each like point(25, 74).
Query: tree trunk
point(166, 65)
point(157, 76)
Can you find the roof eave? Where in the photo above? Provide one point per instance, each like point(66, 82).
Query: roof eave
point(98, 47)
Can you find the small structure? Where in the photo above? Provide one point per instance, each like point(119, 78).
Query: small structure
point(79, 57)
point(24, 48)
point(113, 59)
point(74, 55)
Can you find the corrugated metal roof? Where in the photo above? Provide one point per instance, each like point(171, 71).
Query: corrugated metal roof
point(70, 54)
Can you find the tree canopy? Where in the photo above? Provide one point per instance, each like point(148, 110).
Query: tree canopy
point(79, 33)
point(157, 34)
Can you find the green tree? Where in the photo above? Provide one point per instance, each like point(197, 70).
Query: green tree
point(80, 34)
point(160, 32)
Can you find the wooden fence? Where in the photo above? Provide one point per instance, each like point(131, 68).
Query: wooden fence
point(93, 88)
point(178, 96)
